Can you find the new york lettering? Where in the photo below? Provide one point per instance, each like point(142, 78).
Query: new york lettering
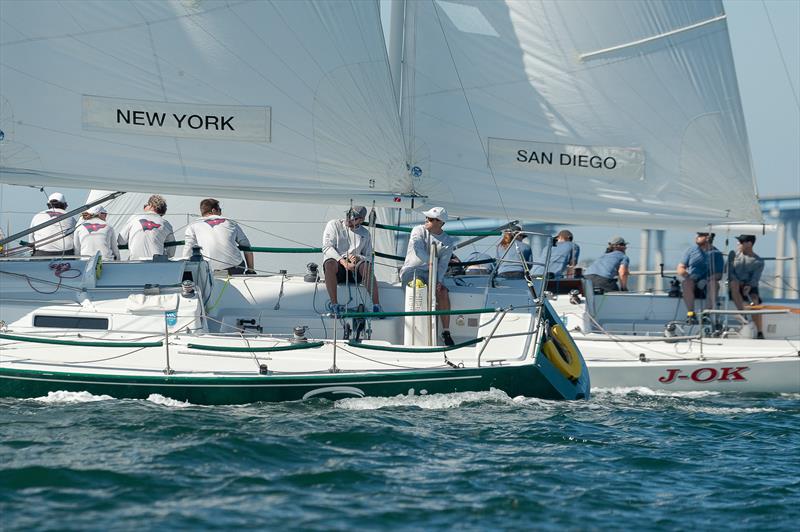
point(566, 159)
point(184, 121)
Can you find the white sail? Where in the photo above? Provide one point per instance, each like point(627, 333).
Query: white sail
point(618, 112)
point(262, 100)
point(600, 112)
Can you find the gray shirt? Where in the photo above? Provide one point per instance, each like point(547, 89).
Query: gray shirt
point(747, 269)
point(419, 251)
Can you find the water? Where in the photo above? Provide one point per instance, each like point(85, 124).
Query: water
point(475, 461)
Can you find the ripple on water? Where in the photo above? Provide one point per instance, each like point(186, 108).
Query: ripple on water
point(469, 461)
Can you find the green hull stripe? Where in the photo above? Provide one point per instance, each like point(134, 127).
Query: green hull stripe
point(309, 345)
point(417, 349)
point(78, 343)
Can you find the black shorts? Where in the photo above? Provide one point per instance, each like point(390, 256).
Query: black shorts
point(604, 283)
point(66, 253)
point(343, 275)
point(754, 295)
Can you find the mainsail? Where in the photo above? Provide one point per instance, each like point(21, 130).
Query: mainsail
point(601, 112)
point(242, 99)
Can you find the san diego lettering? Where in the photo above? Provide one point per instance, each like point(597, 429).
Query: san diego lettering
point(566, 159)
point(146, 118)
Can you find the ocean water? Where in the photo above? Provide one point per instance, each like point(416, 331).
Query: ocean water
point(626, 459)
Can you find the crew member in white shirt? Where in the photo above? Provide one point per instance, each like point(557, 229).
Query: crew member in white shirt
point(55, 239)
point(219, 238)
point(94, 234)
point(347, 254)
point(147, 232)
point(416, 263)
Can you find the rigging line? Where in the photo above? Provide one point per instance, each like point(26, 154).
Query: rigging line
point(780, 53)
point(257, 229)
point(469, 106)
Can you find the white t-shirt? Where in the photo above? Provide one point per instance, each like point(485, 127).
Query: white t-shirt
point(338, 241)
point(52, 237)
point(419, 251)
point(220, 238)
point(146, 234)
point(95, 235)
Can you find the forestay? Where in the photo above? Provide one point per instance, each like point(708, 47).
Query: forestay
point(618, 112)
point(264, 100)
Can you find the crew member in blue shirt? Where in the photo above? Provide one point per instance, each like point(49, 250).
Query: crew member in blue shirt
point(695, 268)
point(511, 252)
point(564, 256)
point(614, 263)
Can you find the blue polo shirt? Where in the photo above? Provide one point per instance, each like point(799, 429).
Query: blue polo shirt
point(697, 262)
point(560, 256)
point(512, 262)
point(608, 265)
point(717, 261)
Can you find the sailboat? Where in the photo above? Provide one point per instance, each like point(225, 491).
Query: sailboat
point(285, 101)
point(551, 111)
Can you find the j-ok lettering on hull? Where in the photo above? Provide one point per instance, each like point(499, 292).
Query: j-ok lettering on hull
point(705, 375)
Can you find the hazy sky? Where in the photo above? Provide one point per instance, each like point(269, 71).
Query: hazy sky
point(769, 98)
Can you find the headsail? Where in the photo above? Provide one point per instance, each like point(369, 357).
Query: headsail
point(242, 99)
point(618, 112)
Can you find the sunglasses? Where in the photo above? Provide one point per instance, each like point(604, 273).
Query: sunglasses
point(433, 219)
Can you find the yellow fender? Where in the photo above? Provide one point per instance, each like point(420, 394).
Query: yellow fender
point(562, 352)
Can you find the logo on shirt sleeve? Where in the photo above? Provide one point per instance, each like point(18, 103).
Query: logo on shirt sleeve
point(93, 227)
point(213, 222)
point(148, 225)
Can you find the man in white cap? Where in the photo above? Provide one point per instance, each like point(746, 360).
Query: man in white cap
point(55, 239)
point(347, 255)
point(220, 238)
point(418, 254)
point(147, 232)
point(94, 234)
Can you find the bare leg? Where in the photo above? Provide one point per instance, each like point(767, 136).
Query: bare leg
point(757, 318)
point(688, 293)
point(711, 293)
point(330, 267)
point(365, 272)
point(443, 303)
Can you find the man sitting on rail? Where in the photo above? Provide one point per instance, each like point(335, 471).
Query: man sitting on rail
point(347, 256)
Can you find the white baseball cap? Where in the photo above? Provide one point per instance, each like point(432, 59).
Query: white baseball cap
point(56, 196)
point(440, 213)
point(97, 209)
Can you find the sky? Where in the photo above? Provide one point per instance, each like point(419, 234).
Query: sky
point(765, 37)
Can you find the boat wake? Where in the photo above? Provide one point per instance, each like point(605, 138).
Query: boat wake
point(62, 397)
point(441, 401)
point(644, 391)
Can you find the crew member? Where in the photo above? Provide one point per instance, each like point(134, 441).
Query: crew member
point(418, 254)
point(564, 255)
point(55, 239)
point(614, 263)
point(511, 252)
point(219, 238)
point(347, 256)
point(694, 268)
point(147, 232)
point(94, 234)
point(745, 274)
